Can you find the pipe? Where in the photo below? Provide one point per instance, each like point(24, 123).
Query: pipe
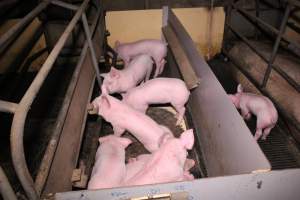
point(17, 129)
point(8, 107)
point(43, 171)
point(64, 5)
point(91, 47)
point(21, 24)
point(5, 188)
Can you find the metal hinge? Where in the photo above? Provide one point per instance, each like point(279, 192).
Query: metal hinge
point(167, 196)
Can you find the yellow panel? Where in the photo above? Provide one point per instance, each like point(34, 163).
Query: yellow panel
point(128, 26)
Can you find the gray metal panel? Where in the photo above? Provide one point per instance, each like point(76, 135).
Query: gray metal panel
point(274, 185)
point(227, 144)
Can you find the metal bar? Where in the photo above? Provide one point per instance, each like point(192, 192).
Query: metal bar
point(275, 185)
point(91, 47)
point(21, 24)
point(64, 5)
point(52, 145)
point(17, 129)
point(275, 67)
point(5, 188)
point(276, 45)
point(8, 107)
point(222, 131)
point(271, 28)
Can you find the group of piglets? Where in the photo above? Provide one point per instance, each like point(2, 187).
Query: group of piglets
point(167, 160)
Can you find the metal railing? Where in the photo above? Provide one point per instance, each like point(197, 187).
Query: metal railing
point(259, 23)
point(20, 110)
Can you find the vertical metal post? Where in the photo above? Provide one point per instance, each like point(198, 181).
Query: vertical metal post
point(91, 47)
point(227, 21)
point(276, 45)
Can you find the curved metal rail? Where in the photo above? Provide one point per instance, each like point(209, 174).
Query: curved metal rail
point(21, 109)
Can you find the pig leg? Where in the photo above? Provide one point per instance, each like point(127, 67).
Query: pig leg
point(118, 131)
point(189, 163)
point(147, 77)
point(180, 112)
point(267, 131)
point(157, 67)
point(258, 133)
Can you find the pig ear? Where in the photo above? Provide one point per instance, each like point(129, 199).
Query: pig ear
point(103, 75)
point(187, 139)
point(240, 88)
point(105, 101)
point(125, 141)
point(114, 73)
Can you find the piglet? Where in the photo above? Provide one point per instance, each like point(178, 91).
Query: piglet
point(123, 117)
point(135, 165)
point(157, 49)
point(138, 70)
point(109, 169)
point(167, 163)
point(258, 105)
point(158, 91)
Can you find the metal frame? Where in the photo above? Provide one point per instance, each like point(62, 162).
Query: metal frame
point(21, 109)
point(258, 23)
point(210, 96)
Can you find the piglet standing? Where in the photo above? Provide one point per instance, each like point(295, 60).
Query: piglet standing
point(109, 169)
point(123, 117)
point(157, 49)
point(158, 91)
point(167, 163)
point(258, 105)
point(138, 70)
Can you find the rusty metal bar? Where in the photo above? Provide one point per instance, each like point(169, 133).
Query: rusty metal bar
point(17, 129)
point(276, 45)
point(52, 145)
point(91, 47)
point(5, 188)
point(275, 67)
point(8, 107)
point(21, 24)
point(64, 5)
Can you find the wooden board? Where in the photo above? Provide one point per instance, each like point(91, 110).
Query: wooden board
point(128, 26)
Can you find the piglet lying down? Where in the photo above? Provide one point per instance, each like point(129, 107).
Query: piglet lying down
point(109, 169)
point(167, 164)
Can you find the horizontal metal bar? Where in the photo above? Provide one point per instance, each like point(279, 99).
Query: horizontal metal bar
point(5, 188)
point(52, 145)
point(8, 107)
point(17, 129)
point(64, 5)
point(275, 67)
point(4, 40)
point(275, 185)
point(271, 28)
